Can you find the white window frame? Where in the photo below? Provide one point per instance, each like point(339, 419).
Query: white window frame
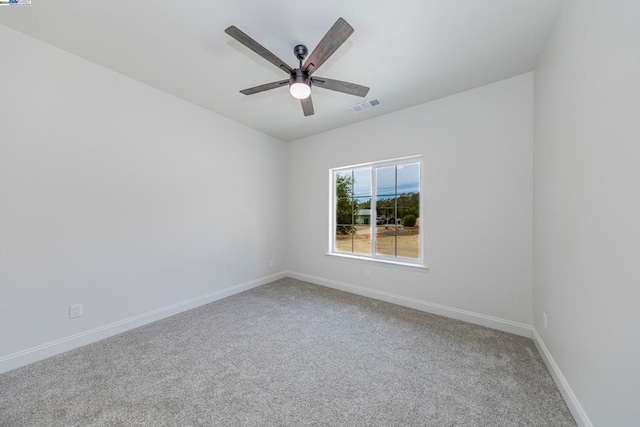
point(373, 257)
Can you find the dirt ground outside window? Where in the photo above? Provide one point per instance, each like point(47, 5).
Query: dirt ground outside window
point(407, 241)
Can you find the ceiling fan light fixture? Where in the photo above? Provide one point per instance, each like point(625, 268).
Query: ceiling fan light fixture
point(300, 86)
point(300, 90)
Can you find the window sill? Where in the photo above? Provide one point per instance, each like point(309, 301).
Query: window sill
point(396, 264)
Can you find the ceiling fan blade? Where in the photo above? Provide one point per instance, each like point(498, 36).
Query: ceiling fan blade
point(257, 48)
point(340, 86)
point(264, 87)
point(331, 41)
point(307, 106)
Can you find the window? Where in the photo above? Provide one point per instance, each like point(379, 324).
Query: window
point(376, 211)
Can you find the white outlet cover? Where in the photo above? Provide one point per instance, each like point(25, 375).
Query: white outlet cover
point(75, 310)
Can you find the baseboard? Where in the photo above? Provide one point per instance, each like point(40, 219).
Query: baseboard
point(429, 307)
point(34, 354)
point(565, 389)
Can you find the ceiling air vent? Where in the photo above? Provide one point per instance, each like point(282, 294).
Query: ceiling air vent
point(365, 105)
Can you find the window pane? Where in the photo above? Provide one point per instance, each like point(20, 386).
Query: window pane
point(344, 211)
point(344, 240)
point(386, 225)
point(362, 210)
point(362, 182)
point(386, 181)
point(362, 240)
point(408, 204)
point(344, 184)
point(408, 240)
point(409, 178)
point(408, 236)
point(408, 243)
point(386, 240)
point(362, 235)
point(385, 210)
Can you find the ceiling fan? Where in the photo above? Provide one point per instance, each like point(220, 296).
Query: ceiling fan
point(300, 80)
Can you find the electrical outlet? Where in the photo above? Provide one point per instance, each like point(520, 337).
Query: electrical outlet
point(367, 273)
point(271, 263)
point(75, 310)
point(544, 320)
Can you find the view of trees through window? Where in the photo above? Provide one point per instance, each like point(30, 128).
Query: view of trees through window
point(377, 210)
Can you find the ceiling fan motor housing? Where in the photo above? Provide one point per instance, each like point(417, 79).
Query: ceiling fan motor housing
point(300, 51)
point(299, 76)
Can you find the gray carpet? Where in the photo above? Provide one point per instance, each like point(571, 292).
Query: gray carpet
point(291, 354)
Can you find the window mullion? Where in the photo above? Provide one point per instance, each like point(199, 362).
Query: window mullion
point(353, 209)
point(374, 213)
point(395, 214)
point(333, 219)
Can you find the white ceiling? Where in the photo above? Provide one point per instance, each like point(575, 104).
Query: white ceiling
point(407, 51)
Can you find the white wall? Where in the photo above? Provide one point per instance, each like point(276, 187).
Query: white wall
point(120, 197)
point(477, 148)
point(587, 206)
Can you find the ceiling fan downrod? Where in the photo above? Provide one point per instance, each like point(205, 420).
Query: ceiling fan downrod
point(301, 52)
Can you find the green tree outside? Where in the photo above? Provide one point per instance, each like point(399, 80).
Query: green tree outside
point(345, 204)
